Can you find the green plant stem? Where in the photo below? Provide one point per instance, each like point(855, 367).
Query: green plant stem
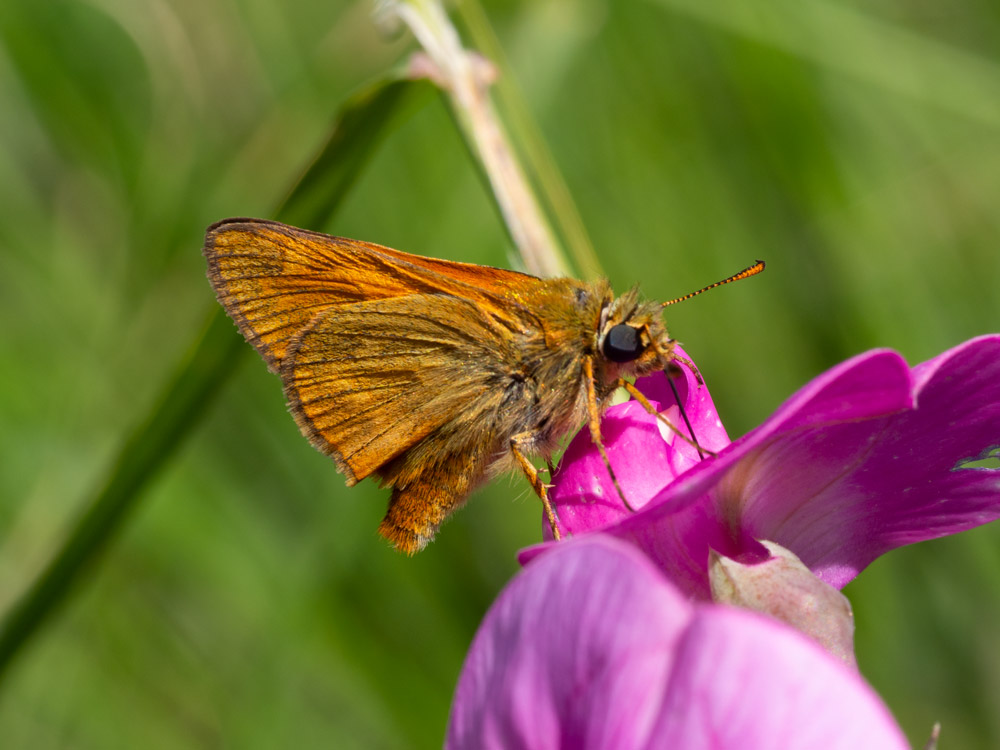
point(846, 39)
point(360, 124)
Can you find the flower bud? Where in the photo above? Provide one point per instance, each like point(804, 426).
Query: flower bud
point(785, 589)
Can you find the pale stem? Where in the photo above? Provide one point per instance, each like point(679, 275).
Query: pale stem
point(465, 77)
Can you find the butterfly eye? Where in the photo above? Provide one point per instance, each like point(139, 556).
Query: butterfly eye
point(622, 344)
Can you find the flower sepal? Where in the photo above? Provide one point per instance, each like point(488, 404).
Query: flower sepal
point(785, 589)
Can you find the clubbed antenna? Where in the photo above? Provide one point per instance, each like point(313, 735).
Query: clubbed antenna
point(746, 273)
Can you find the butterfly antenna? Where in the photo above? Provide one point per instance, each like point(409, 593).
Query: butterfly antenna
point(746, 273)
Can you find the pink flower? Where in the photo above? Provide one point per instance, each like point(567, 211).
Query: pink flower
point(869, 456)
point(592, 647)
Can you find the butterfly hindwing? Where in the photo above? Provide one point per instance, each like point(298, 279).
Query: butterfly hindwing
point(369, 381)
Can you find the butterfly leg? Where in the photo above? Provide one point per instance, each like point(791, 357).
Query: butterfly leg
point(594, 420)
point(691, 366)
point(644, 402)
point(537, 484)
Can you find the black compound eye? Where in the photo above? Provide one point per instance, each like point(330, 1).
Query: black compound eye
point(622, 344)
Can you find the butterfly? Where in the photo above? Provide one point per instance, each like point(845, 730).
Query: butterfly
point(430, 375)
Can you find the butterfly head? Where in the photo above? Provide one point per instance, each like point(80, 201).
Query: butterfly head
point(632, 337)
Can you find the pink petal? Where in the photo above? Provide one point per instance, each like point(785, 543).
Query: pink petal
point(590, 647)
point(709, 505)
point(572, 654)
point(744, 681)
point(644, 454)
point(906, 483)
point(865, 458)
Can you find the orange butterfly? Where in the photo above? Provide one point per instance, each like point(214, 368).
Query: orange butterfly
point(430, 374)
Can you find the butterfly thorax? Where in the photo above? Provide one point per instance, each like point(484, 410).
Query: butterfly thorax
point(547, 391)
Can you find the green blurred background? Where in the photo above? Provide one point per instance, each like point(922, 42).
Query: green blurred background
point(249, 603)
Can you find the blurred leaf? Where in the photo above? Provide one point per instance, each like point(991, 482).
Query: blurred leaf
point(847, 41)
point(87, 81)
point(360, 124)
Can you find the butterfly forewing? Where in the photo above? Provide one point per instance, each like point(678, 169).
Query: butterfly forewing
point(273, 279)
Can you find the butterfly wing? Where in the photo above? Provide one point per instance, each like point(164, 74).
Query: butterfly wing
point(273, 279)
point(415, 369)
point(370, 380)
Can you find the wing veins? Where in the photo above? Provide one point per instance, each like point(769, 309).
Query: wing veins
point(380, 387)
point(376, 436)
point(364, 411)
